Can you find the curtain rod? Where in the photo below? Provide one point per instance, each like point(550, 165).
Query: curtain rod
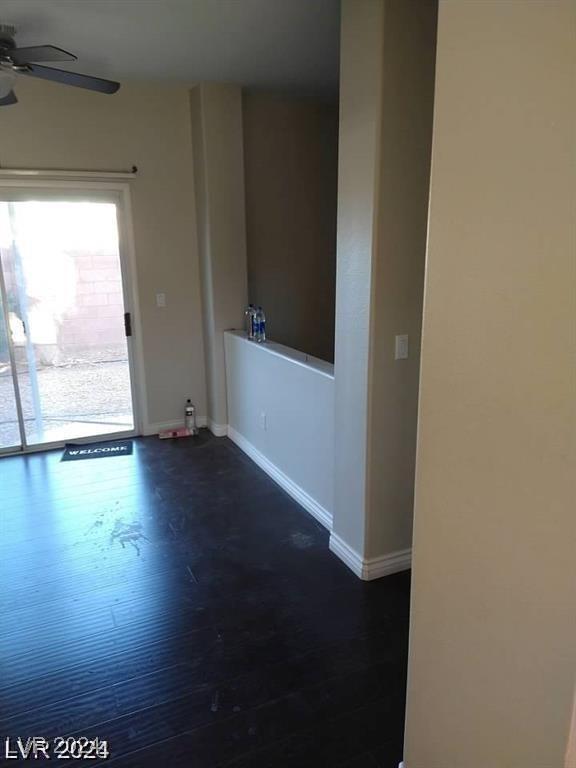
point(56, 173)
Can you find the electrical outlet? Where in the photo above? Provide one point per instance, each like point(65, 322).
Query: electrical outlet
point(263, 420)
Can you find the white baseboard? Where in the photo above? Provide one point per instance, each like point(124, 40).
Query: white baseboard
point(299, 494)
point(385, 565)
point(373, 568)
point(155, 428)
point(218, 430)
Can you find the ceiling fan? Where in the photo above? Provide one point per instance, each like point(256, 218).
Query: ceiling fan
point(22, 61)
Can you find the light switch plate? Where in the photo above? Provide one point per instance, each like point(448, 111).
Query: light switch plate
point(263, 420)
point(401, 347)
point(160, 299)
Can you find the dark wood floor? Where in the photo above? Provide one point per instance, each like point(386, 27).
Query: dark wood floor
point(179, 604)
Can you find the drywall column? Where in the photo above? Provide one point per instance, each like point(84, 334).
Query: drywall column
point(493, 626)
point(361, 76)
point(387, 86)
point(219, 175)
point(398, 277)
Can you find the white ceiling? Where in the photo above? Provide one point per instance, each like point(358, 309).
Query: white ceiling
point(291, 44)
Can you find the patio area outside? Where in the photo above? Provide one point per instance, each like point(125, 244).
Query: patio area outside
point(77, 400)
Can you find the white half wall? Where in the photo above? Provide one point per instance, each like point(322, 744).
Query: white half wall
point(281, 413)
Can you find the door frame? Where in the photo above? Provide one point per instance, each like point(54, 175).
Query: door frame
point(90, 190)
point(5, 319)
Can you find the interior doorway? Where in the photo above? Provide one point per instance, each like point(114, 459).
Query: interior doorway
point(66, 363)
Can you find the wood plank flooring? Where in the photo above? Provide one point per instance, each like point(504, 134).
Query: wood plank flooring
point(180, 605)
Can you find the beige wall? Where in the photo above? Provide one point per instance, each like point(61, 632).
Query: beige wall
point(493, 628)
point(57, 127)
point(571, 746)
point(216, 111)
point(291, 164)
point(398, 280)
point(386, 95)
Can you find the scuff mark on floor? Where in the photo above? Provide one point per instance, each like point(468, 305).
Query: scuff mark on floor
point(128, 533)
point(301, 540)
point(98, 523)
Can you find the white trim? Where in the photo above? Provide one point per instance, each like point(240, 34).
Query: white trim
point(299, 494)
point(5, 321)
point(373, 568)
point(349, 556)
point(385, 565)
point(131, 297)
point(218, 430)
point(161, 426)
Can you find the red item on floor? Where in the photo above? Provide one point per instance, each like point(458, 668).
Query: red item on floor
point(180, 432)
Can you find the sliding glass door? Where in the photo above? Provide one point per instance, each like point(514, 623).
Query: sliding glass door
point(65, 358)
point(10, 414)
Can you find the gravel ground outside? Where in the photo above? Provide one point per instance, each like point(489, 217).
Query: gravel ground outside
point(77, 400)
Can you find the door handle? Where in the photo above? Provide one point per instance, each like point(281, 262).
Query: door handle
point(128, 323)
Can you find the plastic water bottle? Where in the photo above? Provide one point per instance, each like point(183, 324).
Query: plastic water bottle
point(261, 324)
point(249, 314)
point(254, 326)
point(190, 418)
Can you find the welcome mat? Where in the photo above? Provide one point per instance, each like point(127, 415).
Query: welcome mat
point(97, 450)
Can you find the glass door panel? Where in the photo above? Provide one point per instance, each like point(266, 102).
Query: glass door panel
point(9, 421)
point(62, 270)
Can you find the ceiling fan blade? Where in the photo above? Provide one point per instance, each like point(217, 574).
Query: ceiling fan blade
point(71, 78)
point(40, 53)
point(10, 99)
